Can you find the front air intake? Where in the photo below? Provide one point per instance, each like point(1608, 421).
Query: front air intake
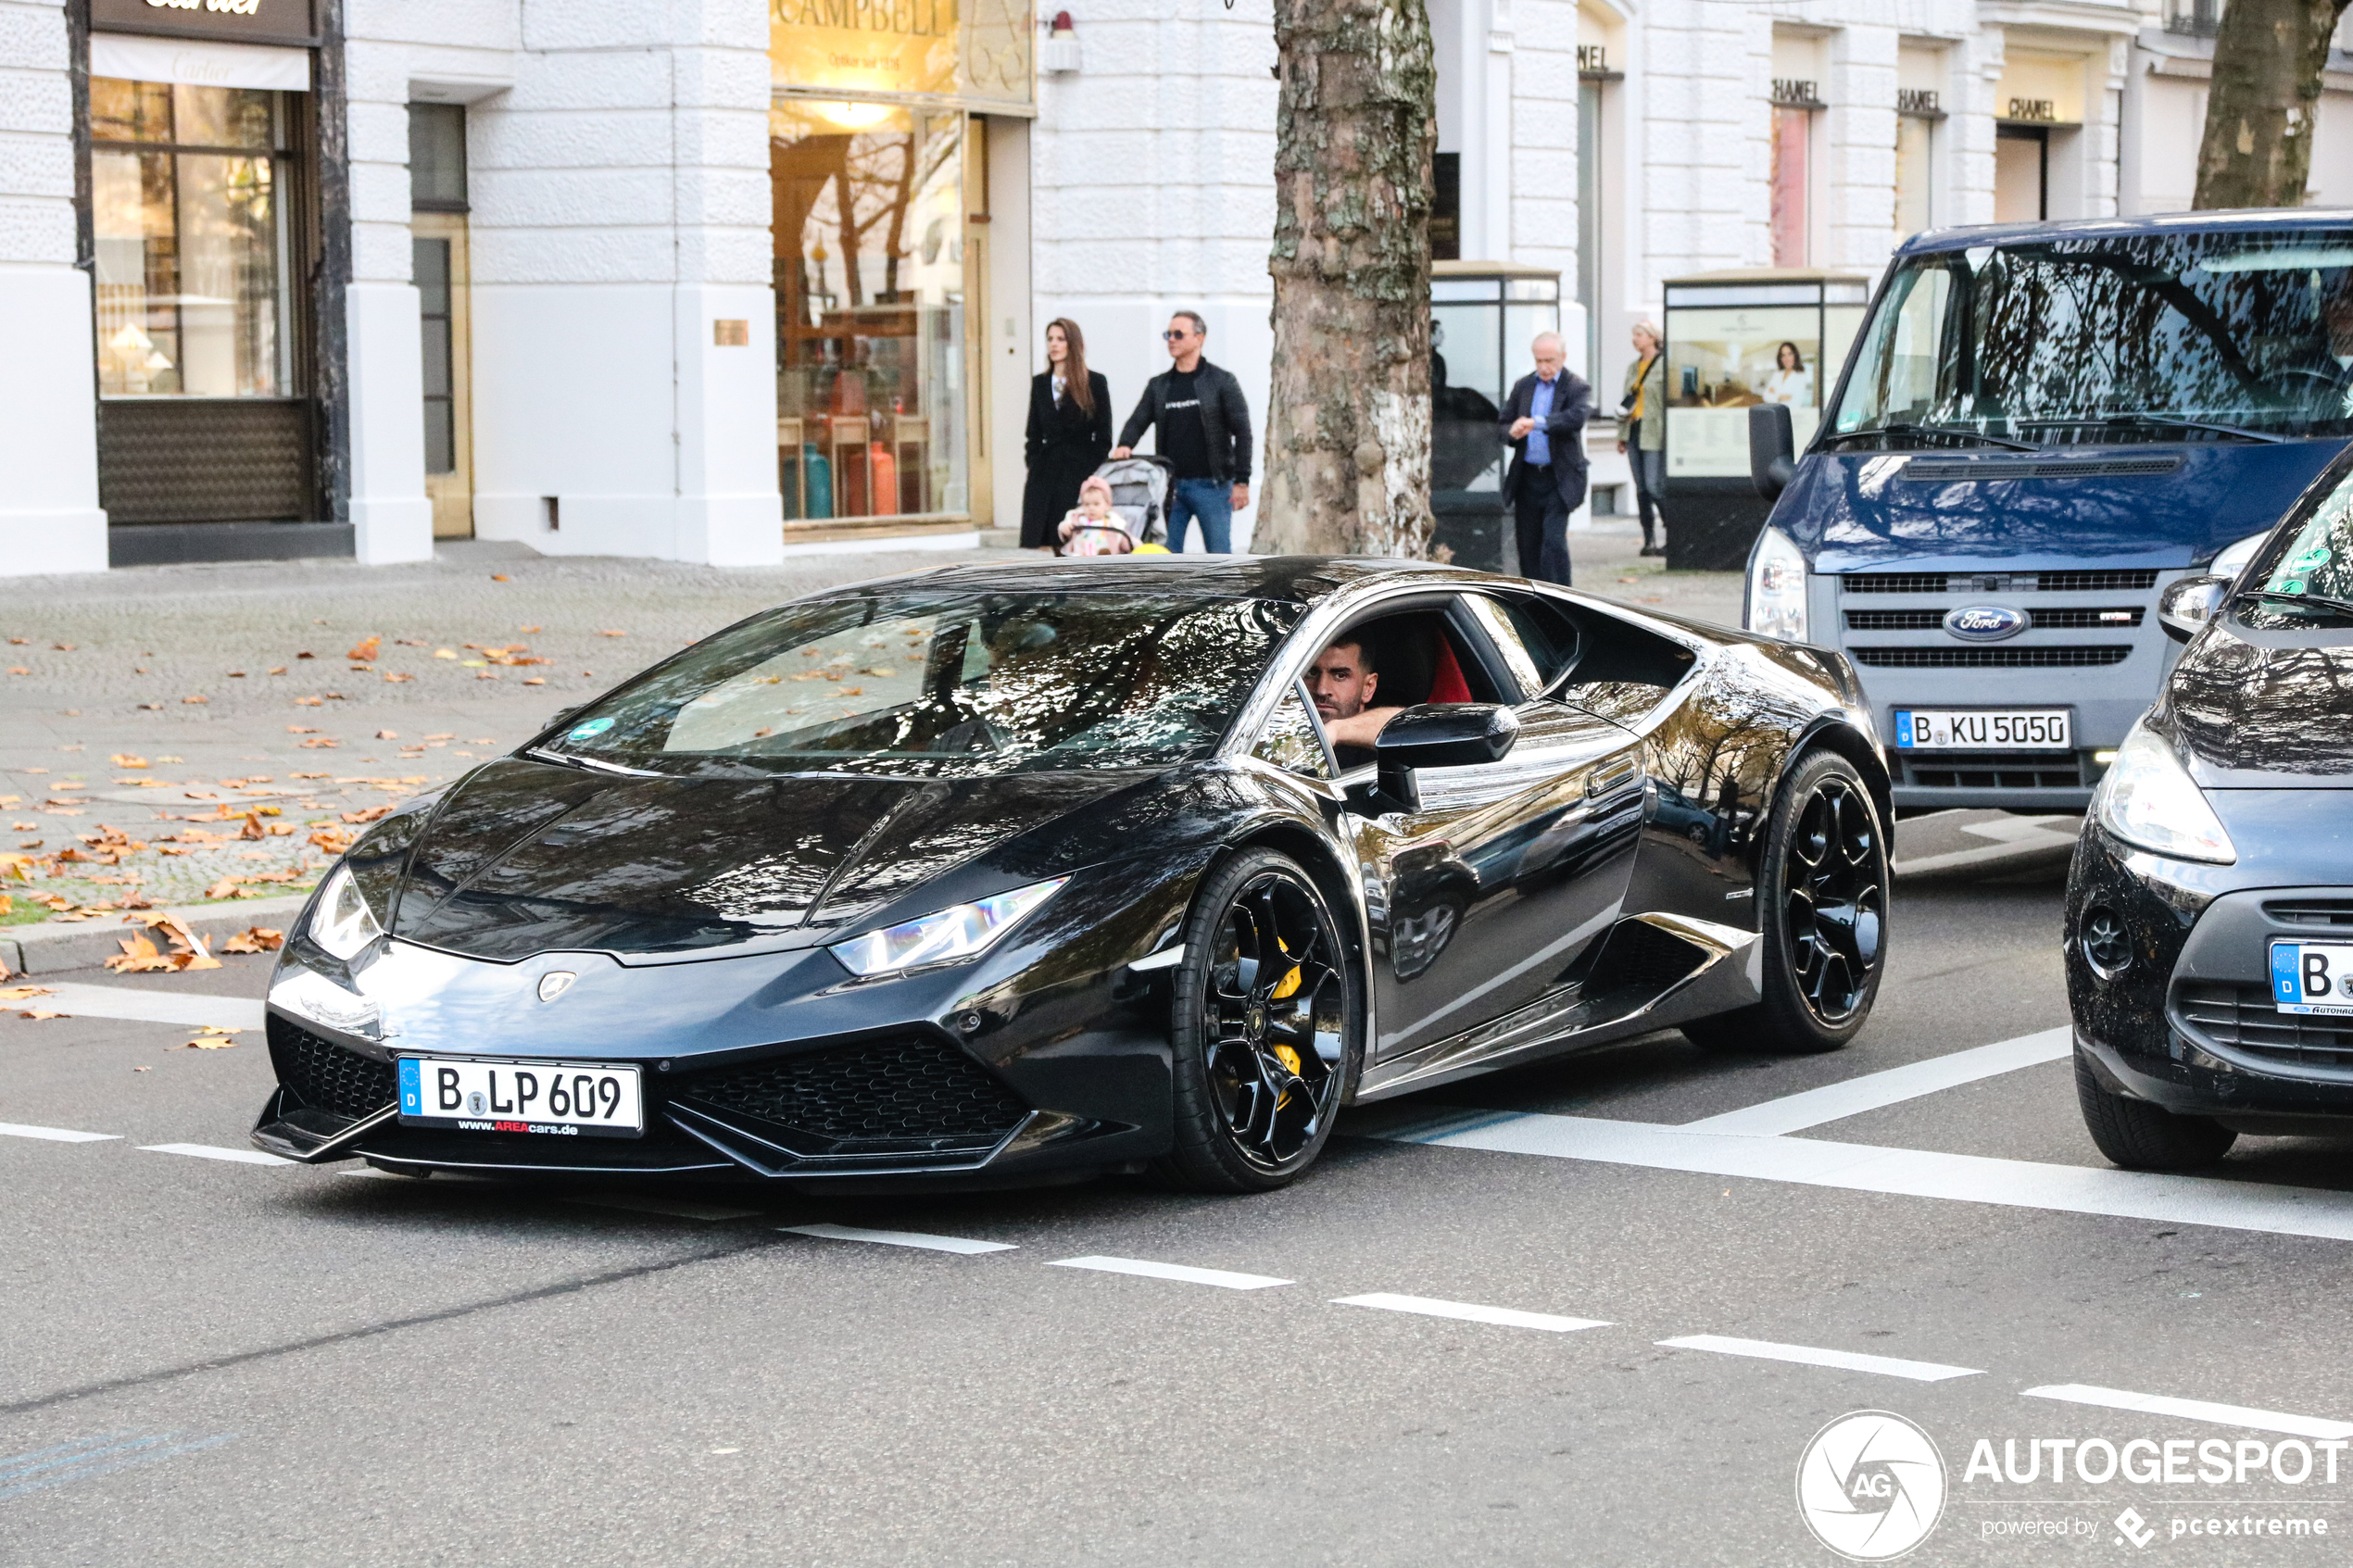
point(912, 1096)
point(327, 1077)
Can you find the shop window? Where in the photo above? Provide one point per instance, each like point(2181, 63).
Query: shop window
point(870, 310)
point(1793, 132)
point(1915, 173)
point(191, 240)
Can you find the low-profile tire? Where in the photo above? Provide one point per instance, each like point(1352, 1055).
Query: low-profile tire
point(1821, 905)
point(1264, 1027)
point(2141, 1136)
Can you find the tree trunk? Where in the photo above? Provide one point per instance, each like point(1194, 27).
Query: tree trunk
point(1347, 468)
point(2257, 149)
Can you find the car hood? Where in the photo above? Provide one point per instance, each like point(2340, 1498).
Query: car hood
point(526, 856)
point(2252, 709)
point(1858, 511)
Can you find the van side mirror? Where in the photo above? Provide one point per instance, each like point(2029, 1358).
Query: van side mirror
point(2185, 606)
point(1772, 448)
point(1436, 734)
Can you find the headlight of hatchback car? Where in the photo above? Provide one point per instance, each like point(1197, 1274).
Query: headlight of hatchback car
point(963, 932)
point(341, 920)
point(2233, 559)
point(2149, 799)
point(1777, 587)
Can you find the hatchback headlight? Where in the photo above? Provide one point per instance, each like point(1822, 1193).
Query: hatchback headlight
point(2149, 799)
point(1776, 587)
point(341, 920)
point(963, 932)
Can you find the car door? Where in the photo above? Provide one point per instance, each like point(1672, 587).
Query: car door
point(1483, 899)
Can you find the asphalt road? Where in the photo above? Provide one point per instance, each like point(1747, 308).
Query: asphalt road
point(210, 1361)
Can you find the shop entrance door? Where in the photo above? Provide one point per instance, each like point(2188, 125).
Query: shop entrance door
point(439, 242)
point(2021, 173)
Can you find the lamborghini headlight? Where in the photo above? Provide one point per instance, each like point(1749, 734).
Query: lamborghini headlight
point(341, 920)
point(947, 936)
point(1776, 587)
point(2147, 798)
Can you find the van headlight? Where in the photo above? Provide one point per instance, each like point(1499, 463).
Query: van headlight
point(341, 920)
point(947, 936)
point(2148, 799)
point(1776, 605)
point(2233, 559)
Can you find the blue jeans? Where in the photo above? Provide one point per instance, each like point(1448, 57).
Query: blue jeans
point(1212, 500)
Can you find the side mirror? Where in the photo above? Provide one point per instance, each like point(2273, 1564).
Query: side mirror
point(2185, 606)
point(1772, 448)
point(1436, 734)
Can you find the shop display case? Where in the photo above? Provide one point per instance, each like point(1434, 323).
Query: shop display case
point(1482, 317)
point(1735, 340)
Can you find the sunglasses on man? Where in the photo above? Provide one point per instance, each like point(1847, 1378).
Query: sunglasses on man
point(1176, 335)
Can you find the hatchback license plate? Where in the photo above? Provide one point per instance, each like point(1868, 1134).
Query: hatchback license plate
point(2313, 977)
point(1984, 729)
point(568, 1098)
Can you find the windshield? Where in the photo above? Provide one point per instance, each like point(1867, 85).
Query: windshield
point(2309, 579)
point(2110, 339)
point(944, 685)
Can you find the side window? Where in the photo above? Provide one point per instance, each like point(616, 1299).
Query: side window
point(1292, 740)
point(1537, 641)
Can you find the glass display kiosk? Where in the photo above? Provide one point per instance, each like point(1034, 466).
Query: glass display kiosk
point(1482, 315)
point(1735, 340)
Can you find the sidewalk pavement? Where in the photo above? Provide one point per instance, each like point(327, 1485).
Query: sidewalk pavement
point(205, 736)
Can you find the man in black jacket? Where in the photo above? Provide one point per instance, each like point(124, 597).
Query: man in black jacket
point(1543, 422)
point(1204, 430)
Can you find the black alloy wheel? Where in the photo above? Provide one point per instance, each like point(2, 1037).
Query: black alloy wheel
point(1821, 900)
point(1265, 1028)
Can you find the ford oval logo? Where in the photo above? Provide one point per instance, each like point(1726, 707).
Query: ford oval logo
point(1986, 623)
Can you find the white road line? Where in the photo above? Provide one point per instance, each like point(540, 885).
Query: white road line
point(1963, 1178)
point(899, 1238)
point(1809, 1355)
point(1509, 1317)
point(2194, 1410)
point(186, 1007)
point(1224, 1279)
point(207, 1151)
point(1835, 1101)
point(672, 1207)
point(53, 1134)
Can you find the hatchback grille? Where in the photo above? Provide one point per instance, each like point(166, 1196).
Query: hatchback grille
point(2040, 771)
point(2028, 658)
point(2243, 1017)
point(2311, 911)
point(326, 1075)
point(893, 1095)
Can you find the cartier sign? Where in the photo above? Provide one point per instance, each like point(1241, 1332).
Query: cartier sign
point(241, 21)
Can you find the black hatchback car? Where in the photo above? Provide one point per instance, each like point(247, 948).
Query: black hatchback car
point(2209, 908)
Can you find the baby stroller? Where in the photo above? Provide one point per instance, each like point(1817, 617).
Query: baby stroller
point(1139, 488)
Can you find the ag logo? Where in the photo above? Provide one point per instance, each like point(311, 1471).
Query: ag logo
point(1870, 1485)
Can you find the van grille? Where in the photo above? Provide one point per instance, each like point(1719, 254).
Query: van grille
point(2102, 582)
point(2028, 658)
point(2077, 618)
point(2243, 1017)
point(1894, 619)
point(2096, 582)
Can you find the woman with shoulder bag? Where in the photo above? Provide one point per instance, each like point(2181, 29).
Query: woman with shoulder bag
point(1643, 439)
point(1069, 433)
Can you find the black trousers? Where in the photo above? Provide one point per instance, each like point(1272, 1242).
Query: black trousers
point(1539, 518)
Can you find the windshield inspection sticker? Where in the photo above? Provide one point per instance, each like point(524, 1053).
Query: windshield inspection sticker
point(1872, 1485)
point(593, 727)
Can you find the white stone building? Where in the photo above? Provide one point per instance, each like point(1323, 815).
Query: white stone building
point(711, 279)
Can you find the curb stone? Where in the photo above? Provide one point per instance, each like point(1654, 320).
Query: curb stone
point(60, 946)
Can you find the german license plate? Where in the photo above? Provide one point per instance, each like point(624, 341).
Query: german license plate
point(2313, 977)
point(1984, 729)
point(567, 1098)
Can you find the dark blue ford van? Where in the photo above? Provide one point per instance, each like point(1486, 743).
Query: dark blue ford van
point(2040, 427)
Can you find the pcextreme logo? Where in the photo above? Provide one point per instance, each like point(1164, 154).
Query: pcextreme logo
point(1870, 1485)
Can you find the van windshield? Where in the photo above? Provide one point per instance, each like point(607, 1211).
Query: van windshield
point(2208, 337)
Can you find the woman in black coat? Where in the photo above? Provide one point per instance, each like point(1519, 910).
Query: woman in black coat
point(1069, 433)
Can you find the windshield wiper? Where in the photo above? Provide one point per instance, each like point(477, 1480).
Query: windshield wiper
point(2167, 422)
point(1958, 432)
point(2318, 601)
point(570, 759)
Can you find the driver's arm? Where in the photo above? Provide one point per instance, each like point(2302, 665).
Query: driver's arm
point(1360, 729)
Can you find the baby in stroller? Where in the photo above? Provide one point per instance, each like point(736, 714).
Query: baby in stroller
point(1092, 528)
